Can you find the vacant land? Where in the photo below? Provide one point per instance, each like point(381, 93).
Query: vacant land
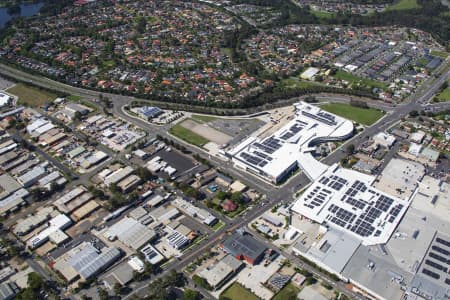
point(365, 116)
point(238, 292)
point(404, 4)
point(443, 96)
point(31, 96)
point(342, 75)
point(206, 131)
point(188, 136)
point(287, 293)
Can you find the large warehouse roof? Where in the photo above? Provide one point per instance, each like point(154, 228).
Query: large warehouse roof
point(344, 198)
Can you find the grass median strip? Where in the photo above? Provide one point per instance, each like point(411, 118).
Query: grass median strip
point(188, 136)
point(365, 116)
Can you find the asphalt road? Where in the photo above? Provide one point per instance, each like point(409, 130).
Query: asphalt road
point(275, 194)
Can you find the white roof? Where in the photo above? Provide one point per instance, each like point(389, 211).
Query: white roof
point(309, 73)
point(346, 200)
point(290, 145)
point(414, 149)
point(130, 232)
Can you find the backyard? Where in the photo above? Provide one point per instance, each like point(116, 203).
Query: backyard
point(289, 292)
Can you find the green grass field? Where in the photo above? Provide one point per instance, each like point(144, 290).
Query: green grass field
point(238, 292)
point(74, 98)
point(289, 292)
point(342, 75)
point(188, 136)
point(297, 83)
point(444, 96)
point(365, 116)
point(440, 54)
point(404, 4)
point(322, 14)
point(31, 96)
point(203, 118)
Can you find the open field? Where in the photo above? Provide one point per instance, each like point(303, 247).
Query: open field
point(74, 98)
point(287, 293)
point(404, 4)
point(297, 83)
point(188, 136)
point(321, 14)
point(342, 75)
point(365, 116)
point(31, 96)
point(443, 96)
point(238, 292)
point(206, 132)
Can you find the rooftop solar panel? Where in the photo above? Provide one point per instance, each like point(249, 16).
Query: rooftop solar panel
point(439, 258)
point(443, 242)
point(431, 274)
point(440, 250)
point(435, 265)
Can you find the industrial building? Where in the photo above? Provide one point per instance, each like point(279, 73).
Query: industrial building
point(274, 157)
point(58, 223)
point(244, 247)
point(130, 232)
point(86, 261)
point(152, 255)
point(219, 273)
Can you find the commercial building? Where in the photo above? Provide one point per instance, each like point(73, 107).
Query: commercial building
point(219, 273)
point(152, 255)
point(118, 175)
point(345, 199)
point(331, 252)
point(5, 99)
point(8, 290)
point(130, 232)
point(244, 247)
point(384, 139)
point(87, 261)
point(31, 177)
point(13, 201)
point(148, 112)
point(58, 223)
point(26, 225)
point(274, 157)
point(309, 73)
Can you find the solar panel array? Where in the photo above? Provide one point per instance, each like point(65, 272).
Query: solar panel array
point(321, 116)
point(363, 209)
point(293, 130)
point(436, 264)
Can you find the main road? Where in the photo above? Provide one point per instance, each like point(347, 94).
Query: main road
point(275, 194)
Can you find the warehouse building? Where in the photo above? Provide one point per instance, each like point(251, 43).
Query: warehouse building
point(221, 272)
point(244, 247)
point(58, 223)
point(152, 255)
point(13, 202)
point(86, 261)
point(130, 232)
point(118, 175)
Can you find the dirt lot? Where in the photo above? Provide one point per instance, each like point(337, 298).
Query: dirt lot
point(206, 131)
